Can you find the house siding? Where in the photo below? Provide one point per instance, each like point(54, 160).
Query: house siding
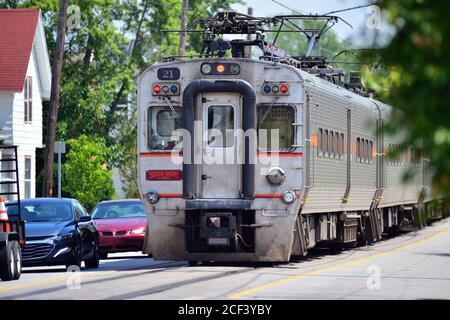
point(28, 136)
point(6, 102)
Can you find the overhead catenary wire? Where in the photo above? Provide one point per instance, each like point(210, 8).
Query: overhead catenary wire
point(349, 9)
point(342, 10)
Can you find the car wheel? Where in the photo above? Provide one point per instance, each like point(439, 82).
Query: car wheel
point(76, 258)
point(17, 260)
point(7, 264)
point(193, 263)
point(104, 255)
point(93, 262)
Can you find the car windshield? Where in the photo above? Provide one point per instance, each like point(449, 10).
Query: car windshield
point(119, 210)
point(44, 212)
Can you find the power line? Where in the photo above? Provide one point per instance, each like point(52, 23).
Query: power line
point(334, 33)
point(348, 9)
point(286, 7)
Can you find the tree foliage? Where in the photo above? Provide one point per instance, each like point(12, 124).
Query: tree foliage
point(108, 44)
point(86, 174)
point(415, 80)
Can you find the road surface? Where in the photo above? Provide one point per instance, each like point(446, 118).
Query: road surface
point(415, 265)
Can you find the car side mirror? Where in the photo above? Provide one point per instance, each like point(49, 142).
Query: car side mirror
point(85, 219)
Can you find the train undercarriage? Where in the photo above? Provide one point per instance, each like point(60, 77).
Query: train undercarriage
point(219, 233)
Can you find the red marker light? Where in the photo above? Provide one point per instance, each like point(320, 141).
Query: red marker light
point(220, 68)
point(156, 89)
point(284, 88)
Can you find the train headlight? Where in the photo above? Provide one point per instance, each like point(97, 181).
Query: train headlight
point(276, 176)
point(153, 197)
point(206, 68)
point(220, 68)
point(289, 197)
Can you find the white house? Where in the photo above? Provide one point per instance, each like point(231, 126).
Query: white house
point(25, 81)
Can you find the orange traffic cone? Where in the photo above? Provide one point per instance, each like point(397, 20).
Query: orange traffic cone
point(4, 215)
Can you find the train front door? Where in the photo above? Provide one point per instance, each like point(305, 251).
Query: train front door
point(221, 169)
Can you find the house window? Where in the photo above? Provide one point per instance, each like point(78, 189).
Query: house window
point(27, 177)
point(28, 99)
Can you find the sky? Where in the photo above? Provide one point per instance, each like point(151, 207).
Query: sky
point(359, 36)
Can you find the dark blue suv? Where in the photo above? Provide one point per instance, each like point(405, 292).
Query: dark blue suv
point(58, 231)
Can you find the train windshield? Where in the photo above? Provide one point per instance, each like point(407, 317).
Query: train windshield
point(162, 125)
point(275, 129)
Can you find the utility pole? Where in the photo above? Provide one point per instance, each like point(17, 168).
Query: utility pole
point(47, 183)
point(184, 10)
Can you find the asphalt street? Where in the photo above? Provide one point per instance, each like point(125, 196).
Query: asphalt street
point(415, 265)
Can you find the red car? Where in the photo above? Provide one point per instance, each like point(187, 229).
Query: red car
point(121, 226)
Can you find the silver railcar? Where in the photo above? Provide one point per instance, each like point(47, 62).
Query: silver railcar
point(303, 165)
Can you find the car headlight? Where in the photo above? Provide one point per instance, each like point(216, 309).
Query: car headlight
point(289, 196)
point(65, 236)
point(138, 231)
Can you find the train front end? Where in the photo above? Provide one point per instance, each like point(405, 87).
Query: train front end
point(221, 159)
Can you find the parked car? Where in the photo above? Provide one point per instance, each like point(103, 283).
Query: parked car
point(121, 225)
point(58, 231)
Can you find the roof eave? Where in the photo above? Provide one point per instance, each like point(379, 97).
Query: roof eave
point(43, 60)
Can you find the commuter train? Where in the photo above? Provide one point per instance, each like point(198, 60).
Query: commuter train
point(243, 159)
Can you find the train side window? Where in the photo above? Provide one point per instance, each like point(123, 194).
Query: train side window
point(358, 149)
point(342, 146)
point(330, 144)
point(366, 151)
point(361, 150)
point(387, 154)
point(371, 151)
point(162, 125)
point(325, 143)
point(276, 117)
point(335, 145)
point(319, 142)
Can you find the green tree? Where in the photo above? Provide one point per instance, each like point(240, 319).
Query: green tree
point(415, 79)
point(86, 174)
point(114, 42)
point(128, 154)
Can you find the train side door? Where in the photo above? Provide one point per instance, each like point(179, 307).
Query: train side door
point(221, 114)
